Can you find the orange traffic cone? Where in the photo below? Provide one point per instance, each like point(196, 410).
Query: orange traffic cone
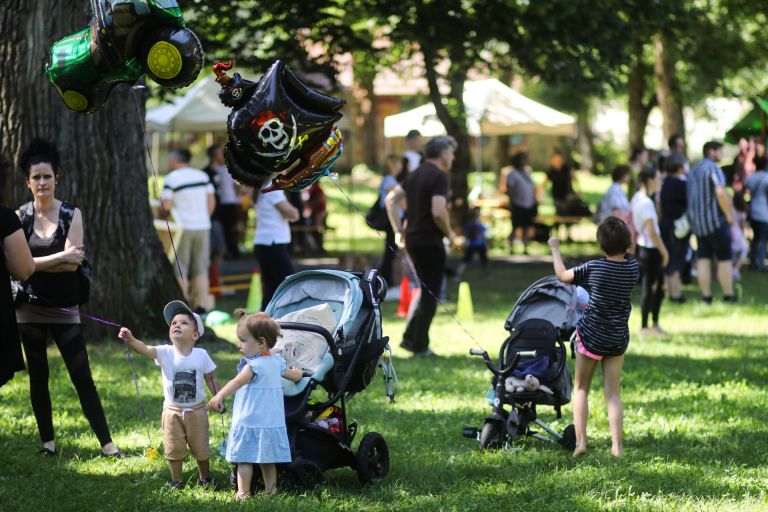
point(405, 298)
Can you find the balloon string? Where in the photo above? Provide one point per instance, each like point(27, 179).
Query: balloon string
point(406, 261)
point(157, 189)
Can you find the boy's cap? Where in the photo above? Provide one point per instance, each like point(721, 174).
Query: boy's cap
point(173, 307)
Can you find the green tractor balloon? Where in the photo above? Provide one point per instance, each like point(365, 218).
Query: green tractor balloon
point(124, 40)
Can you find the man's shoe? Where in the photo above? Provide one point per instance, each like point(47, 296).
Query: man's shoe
point(175, 484)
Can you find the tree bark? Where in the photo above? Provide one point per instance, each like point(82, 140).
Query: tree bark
point(455, 122)
point(367, 111)
point(585, 138)
point(639, 108)
point(102, 166)
point(668, 89)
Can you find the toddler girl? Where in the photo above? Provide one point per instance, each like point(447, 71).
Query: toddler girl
point(258, 434)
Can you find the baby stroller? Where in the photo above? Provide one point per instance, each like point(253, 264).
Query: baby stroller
point(331, 328)
point(544, 318)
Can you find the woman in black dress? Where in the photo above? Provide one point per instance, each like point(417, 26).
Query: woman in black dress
point(54, 231)
point(16, 261)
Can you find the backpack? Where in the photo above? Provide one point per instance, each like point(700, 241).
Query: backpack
point(22, 292)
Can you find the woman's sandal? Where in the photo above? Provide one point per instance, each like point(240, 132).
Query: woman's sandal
point(242, 495)
point(47, 452)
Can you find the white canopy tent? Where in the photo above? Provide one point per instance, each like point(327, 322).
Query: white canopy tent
point(492, 109)
point(198, 110)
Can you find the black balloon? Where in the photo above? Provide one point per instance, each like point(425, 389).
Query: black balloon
point(278, 125)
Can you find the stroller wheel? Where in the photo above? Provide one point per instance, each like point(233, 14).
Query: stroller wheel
point(372, 458)
point(491, 436)
point(569, 438)
point(303, 474)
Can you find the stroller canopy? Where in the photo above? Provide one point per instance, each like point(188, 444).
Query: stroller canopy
point(340, 290)
point(552, 300)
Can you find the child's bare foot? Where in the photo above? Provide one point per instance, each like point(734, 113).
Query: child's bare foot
point(242, 495)
point(579, 451)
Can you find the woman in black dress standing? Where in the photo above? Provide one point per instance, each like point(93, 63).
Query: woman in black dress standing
point(16, 262)
point(54, 231)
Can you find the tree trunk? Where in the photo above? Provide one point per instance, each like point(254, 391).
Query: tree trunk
point(585, 138)
point(102, 166)
point(639, 108)
point(668, 90)
point(454, 118)
point(366, 101)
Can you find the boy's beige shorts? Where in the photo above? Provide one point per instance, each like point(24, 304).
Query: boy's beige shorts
point(185, 426)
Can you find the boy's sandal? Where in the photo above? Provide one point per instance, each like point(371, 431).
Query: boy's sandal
point(242, 495)
point(47, 452)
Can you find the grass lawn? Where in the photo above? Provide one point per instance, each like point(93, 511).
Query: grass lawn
point(695, 426)
point(696, 416)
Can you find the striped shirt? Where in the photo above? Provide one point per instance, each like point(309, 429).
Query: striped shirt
point(188, 188)
point(703, 210)
point(604, 328)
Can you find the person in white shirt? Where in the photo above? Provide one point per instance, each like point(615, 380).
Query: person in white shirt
point(189, 195)
point(270, 242)
point(652, 254)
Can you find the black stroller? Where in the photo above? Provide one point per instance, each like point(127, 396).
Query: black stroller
point(543, 319)
point(331, 324)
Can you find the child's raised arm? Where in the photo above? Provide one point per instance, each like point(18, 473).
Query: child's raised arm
point(138, 346)
point(241, 379)
point(563, 274)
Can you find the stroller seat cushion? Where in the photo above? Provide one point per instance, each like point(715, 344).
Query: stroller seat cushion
point(303, 349)
point(291, 388)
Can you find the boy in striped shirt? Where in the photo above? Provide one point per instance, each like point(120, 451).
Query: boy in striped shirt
point(603, 331)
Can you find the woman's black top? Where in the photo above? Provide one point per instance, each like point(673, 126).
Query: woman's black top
point(673, 198)
point(53, 289)
point(11, 360)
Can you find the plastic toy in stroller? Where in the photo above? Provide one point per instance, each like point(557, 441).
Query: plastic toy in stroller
point(331, 326)
point(544, 318)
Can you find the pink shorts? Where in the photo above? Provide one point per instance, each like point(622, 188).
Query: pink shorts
point(581, 349)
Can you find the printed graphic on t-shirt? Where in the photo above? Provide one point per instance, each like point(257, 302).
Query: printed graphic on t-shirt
point(185, 386)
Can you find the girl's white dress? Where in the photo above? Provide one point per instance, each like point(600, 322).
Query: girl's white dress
point(258, 433)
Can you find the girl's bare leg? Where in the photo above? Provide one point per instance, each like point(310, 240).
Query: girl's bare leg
point(612, 388)
point(269, 472)
point(585, 368)
point(244, 475)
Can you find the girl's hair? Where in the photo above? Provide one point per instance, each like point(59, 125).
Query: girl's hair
point(647, 175)
point(259, 325)
point(613, 236)
point(39, 151)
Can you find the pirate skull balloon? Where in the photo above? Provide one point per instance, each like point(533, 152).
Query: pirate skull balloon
point(278, 125)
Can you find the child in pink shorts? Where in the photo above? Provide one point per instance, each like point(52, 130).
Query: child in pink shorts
point(603, 330)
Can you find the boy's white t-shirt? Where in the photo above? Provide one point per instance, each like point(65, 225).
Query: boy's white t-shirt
point(183, 375)
point(643, 209)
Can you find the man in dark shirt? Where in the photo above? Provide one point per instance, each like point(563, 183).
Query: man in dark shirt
point(424, 194)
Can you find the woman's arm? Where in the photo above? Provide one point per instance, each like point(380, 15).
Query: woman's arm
point(650, 225)
point(288, 211)
point(563, 274)
point(18, 259)
point(241, 379)
point(72, 256)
